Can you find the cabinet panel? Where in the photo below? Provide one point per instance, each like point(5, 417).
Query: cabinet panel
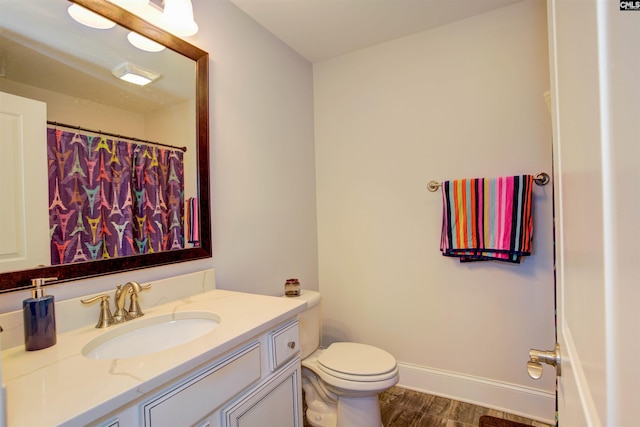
point(128, 416)
point(277, 402)
point(191, 400)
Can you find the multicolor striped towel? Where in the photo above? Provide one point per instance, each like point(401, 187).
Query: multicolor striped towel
point(487, 219)
point(193, 227)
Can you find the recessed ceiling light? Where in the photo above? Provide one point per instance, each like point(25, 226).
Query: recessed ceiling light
point(134, 74)
point(89, 18)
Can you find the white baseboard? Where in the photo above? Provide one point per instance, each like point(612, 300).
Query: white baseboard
point(518, 400)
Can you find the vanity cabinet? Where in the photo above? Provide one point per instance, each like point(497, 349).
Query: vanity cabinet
point(258, 385)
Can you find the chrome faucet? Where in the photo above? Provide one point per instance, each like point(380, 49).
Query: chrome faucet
point(122, 314)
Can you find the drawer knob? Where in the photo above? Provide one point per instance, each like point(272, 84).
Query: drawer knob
point(291, 344)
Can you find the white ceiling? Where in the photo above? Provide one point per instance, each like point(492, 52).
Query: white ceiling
point(322, 29)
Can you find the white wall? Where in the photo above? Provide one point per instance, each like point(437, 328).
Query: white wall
point(262, 157)
point(462, 100)
point(262, 163)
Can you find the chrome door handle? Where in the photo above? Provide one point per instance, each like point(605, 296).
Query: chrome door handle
point(538, 357)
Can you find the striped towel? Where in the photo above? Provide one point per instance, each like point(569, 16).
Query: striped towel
point(487, 219)
point(192, 222)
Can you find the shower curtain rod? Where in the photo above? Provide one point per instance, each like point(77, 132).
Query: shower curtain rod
point(541, 179)
point(184, 149)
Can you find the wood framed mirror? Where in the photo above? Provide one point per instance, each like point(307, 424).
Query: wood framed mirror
point(20, 278)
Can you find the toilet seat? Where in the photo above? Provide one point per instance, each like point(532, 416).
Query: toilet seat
point(357, 362)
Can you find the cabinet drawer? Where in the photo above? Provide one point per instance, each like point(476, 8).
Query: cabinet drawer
point(284, 344)
point(201, 394)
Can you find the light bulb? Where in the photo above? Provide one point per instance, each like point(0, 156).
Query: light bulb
point(89, 18)
point(144, 43)
point(177, 18)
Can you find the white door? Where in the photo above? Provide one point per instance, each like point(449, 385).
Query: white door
point(24, 193)
point(595, 86)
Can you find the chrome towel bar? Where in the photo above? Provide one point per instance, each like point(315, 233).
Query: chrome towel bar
point(541, 179)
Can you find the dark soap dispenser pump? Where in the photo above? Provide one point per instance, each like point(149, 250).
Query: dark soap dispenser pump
point(39, 318)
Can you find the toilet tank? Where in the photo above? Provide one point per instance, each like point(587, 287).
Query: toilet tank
point(310, 324)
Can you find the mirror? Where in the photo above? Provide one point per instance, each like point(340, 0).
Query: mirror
point(184, 81)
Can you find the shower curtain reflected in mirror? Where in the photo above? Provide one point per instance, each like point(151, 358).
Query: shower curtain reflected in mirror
point(110, 197)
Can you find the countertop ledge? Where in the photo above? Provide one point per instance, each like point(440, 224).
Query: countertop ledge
point(60, 386)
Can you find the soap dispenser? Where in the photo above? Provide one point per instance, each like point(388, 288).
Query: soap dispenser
point(39, 318)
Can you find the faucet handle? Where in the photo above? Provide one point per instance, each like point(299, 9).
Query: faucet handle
point(106, 318)
point(134, 305)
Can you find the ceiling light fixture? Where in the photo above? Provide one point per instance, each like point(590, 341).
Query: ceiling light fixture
point(134, 74)
point(89, 18)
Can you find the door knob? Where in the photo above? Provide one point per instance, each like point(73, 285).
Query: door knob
point(538, 357)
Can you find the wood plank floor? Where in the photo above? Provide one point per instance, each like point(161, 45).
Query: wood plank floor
point(407, 408)
point(401, 407)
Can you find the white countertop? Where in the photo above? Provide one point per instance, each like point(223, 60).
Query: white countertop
point(60, 386)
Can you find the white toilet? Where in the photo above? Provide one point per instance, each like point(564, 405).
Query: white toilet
point(341, 383)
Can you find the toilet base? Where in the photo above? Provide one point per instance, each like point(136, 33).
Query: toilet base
point(326, 409)
point(359, 412)
point(321, 404)
point(317, 418)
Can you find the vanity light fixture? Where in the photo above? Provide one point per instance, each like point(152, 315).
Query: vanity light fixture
point(143, 43)
point(176, 16)
point(89, 18)
point(134, 74)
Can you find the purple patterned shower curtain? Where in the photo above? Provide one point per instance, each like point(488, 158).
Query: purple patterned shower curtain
point(110, 198)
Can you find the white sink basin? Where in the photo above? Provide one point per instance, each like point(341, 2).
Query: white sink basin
point(147, 335)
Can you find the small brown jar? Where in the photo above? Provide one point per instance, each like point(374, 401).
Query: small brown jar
point(292, 288)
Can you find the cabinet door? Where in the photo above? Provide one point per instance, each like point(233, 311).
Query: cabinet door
point(275, 403)
point(184, 404)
